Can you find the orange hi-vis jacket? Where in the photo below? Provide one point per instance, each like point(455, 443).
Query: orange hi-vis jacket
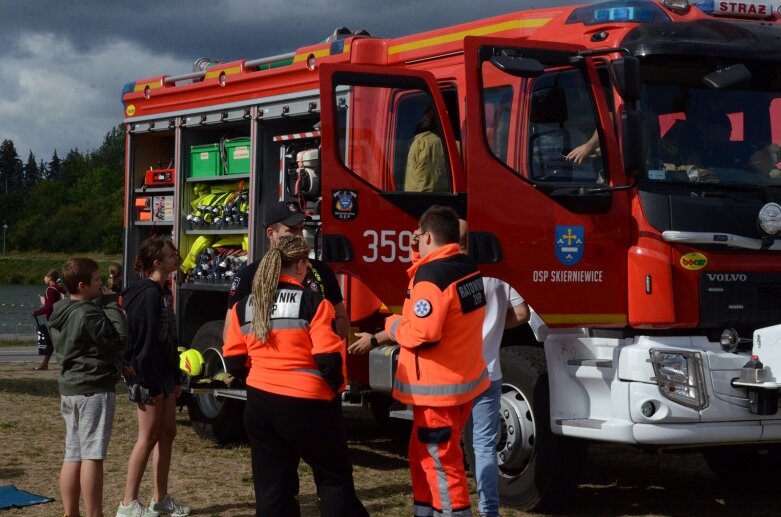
point(440, 332)
point(302, 356)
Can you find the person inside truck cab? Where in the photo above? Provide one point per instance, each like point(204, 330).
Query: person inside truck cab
point(426, 165)
point(695, 145)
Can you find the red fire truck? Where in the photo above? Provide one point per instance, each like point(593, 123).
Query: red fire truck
point(617, 163)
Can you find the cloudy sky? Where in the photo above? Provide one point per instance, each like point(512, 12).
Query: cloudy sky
point(63, 63)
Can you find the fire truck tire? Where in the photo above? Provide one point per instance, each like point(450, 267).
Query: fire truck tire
point(380, 404)
point(750, 466)
point(537, 469)
point(215, 418)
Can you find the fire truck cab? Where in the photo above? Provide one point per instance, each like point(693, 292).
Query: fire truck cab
point(617, 163)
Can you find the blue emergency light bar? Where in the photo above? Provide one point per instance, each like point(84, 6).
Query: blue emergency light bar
point(638, 11)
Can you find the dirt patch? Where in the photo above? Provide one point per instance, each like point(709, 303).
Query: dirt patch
point(217, 481)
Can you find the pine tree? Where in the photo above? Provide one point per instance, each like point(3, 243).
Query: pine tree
point(30, 173)
point(74, 166)
point(55, 167)
point(42, 172)
point(10, 167)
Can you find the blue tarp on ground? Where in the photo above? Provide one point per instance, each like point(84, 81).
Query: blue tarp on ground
point(12, 497)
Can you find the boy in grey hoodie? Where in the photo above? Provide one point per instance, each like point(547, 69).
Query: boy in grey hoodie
point(88, 331)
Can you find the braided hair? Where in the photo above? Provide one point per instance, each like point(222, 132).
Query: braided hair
point(287, 251)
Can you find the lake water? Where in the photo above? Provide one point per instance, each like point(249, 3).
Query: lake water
point(17, 302)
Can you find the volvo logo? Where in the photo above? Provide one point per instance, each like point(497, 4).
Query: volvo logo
point(727, 277)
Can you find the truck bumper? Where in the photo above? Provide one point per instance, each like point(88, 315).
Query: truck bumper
point(609, 390)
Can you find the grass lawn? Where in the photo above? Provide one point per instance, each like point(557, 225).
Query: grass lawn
point(28, 268)
point(4, 343)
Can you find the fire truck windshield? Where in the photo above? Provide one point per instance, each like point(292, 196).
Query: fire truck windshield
point(697, 134)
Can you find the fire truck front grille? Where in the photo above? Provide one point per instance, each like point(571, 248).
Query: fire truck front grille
point(769, 297)
point(729, 299)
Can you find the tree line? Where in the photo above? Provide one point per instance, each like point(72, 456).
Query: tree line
point(70, 204)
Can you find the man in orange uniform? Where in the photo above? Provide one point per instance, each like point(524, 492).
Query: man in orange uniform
point(441, 367)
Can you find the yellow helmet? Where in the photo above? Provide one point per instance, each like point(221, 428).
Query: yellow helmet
point(191, 362)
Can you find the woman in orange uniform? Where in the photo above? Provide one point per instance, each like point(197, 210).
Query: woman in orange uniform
point(295, 359)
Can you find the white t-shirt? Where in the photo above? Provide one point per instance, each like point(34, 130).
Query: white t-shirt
point(499, 297)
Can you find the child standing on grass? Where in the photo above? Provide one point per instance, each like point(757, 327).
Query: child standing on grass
point(153, 379)
point(54, 293)
point(88, 331)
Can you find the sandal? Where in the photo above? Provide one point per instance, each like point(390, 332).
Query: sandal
point(40, 367)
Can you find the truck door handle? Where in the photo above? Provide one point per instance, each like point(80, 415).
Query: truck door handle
point(484, 247)
point(337, 248)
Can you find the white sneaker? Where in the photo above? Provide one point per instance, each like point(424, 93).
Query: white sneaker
point(135, 509)
point(169, 507)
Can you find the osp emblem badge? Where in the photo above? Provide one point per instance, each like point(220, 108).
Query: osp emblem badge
point(569, 241)
point(345, 206)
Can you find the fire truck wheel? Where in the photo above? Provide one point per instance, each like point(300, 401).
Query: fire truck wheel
point(537, 469)
point(750, 466)
point(215, 418)
point(380, 404)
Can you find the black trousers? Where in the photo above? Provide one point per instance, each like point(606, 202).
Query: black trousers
point(280, 430)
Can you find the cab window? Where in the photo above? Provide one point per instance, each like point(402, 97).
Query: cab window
point(563, 142)
point(393, 139)
point(554, 137)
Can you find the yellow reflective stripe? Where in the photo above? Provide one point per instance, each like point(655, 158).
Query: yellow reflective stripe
point(529, 23)
point(323, 52)
point(583, 318)
point(211, 74)
point(142, 86)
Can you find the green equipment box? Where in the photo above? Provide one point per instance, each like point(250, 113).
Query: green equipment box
point(237, 152)
point(205, 161)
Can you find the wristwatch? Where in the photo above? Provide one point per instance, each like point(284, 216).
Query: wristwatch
point(374, 341)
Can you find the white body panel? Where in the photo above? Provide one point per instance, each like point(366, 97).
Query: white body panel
point(599, 385)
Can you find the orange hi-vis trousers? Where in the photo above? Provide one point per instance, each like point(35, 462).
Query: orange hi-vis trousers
point(436, 461)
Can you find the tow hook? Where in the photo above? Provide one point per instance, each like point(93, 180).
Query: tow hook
point(762, 395)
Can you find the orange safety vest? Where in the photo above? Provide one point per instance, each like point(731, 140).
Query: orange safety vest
point(440, 332)
point(301, 357)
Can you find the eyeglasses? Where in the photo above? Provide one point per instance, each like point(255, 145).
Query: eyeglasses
point(417, 235)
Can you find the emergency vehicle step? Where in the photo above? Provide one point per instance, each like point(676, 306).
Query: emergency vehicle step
point(588, 423)
point(596, 363)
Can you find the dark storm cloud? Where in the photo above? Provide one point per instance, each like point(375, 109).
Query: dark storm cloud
point(64, 62)
point(230, 29)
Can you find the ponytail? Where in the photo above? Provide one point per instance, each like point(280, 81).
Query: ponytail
point(288, 250)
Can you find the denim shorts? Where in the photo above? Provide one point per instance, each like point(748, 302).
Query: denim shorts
point(88, 421)
point(139, 394)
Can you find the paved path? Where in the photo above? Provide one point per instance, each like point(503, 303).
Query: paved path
point(19, 354)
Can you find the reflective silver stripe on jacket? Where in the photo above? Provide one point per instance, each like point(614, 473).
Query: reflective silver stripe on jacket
point(310, 371)
point(439, 389)
point(393, 328)
point(279, 324)
point(286, 324)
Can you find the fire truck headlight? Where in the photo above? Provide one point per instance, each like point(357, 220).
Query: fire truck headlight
point(770, 218)
point(680, 377)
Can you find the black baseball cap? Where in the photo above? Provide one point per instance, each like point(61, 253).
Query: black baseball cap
point(288, 214)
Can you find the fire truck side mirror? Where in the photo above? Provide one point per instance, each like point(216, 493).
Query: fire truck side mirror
point(633, 148)
point(626, 75)
point(518, 66)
